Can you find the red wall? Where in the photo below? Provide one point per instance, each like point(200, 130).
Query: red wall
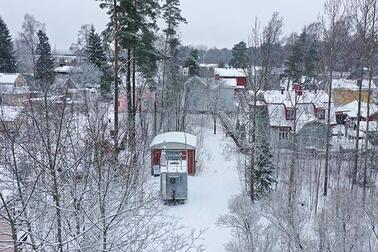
point(241, 81)
point(155, 157)
point(191, 162)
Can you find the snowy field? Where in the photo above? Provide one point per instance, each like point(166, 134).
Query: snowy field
point(209, 191)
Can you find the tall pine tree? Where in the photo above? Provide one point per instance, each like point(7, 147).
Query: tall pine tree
point(171, 85)
point(137, 36)
point(172, 17)
point(44, 67)
point(94, 51)
point(7, 59)
point(95, 54)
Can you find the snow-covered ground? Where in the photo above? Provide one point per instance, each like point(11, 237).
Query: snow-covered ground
point(210, 190)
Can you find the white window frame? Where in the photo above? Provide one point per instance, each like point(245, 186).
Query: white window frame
point(320, 114)
point(291, 114)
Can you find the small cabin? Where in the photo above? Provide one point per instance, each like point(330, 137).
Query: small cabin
point(174, 142)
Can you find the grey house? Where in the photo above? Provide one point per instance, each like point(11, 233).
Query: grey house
point(203, 95)
point(302, 113)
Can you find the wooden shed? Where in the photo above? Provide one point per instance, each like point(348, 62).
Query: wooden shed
point(179, 142)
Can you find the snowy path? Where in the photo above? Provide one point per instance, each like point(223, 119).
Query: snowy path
point(209, 192)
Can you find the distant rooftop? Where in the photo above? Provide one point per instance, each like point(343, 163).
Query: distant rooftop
point(351, 109)
point(6, 78)
point(318, 98)
point(67, 69)
point(229, 72)
point(348, 84)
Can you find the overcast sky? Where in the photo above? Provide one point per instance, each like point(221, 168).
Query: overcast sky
point(220, 23)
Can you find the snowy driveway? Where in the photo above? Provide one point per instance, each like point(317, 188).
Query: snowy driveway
point(210, 190)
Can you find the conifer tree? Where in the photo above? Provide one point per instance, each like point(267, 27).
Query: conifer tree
point(44, 69)
point(171, 84)
point(240, 57)
point(94, 54)
point(7, 59)
point(146, 55)
point(172, 17)
point(294, 63)
point(94, 51)
point(311, 58)
point(138, 37)
point(192, 63)
point(264, 169)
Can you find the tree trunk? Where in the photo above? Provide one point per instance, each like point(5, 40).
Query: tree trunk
point(292, 172)
point(372, 50)
point(253, 148)
point(12, 223)
point(329, 133)
point(215, 124)
point(362, 62)
point(367, 136)
point(133, 120)
point(116, 69)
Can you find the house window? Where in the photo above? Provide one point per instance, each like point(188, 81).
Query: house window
point(284, 133)
point(320, 114)
point(290, 114)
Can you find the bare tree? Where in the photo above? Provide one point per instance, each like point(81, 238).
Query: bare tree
point(363, 15)
point(27, 42)
point(271, 40)
point(333, 10)
point(372, 47)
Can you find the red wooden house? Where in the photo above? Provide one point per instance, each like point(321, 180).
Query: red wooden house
point(231, 73)
point(178, 142)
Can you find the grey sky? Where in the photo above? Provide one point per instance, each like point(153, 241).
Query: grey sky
point(219, 23)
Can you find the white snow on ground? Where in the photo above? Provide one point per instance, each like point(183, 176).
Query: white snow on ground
point(209, 192)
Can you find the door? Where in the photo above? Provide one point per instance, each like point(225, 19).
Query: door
point(155, 159)
point(191, 162)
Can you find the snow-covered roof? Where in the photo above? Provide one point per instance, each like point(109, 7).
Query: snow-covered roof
point(63, 82)
point(277, 100)
point(288, 98)
point(175, 137)
point(350, 84)
point(373, 126)
point(304, 115)
point(351, 109)
point(8, 78)
point(208, 65)
point(67, 69)
point(277, 117)
point(9, 113)
point(229, 72)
